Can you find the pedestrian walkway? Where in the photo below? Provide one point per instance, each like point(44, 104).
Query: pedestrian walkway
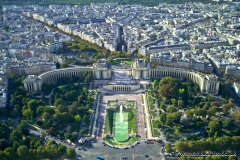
point(148, 118)
point(96, 115)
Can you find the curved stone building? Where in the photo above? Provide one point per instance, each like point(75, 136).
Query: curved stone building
point(129, 76)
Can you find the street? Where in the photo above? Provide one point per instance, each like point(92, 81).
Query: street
point(142, 150)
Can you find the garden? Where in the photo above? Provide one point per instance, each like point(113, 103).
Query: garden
point(120, 124)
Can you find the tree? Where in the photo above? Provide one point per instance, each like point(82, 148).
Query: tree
point(15, 136)
point(189, 114)
point(236, 116)
point(215, 103)
point(33, 105)
point(85, 117)
point(230, 100)
point(181, 92)
point(200, 112)
point(47, 87)
point(182, 146)
point(168, 87)
point(46, 116)
point(213, 127)
point(62, 148)
point(71, 153)
point(77, 118)
point(85, 90)
point(212, 111)
point(72, 109)
point(52, 131)
point(49, 110)
point(62, 108)
point(40, 110)
point(59, 101)
point(177, 130)
point(23, 152)
point(176, 117)
point(10, 153)
point(168, 148)
point(81, 99)
point(180, 104)
point(227, 107)
point(227, 123)
point(169, 120)
point(28, 113)
point(174, 101)
point(58, 117)
point(193, 137)
point(163, 117)
point(171, 109)
point(232, 158)
point(209, 97)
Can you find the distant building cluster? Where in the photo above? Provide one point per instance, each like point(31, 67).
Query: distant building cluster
point(225, 59)
point(3, 88)
point(32, 65)
point(188, 59)
point(191, 36)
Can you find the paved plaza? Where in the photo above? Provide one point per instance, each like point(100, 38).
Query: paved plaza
point(121, 97)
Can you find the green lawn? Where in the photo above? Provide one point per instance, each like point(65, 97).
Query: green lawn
point(132, 120)
point(109, 122)
point(112, 103)
point(126, 61)
point(156, 132)
point(129, 103)
point(155, 123)
point(152, 107)
point(121, 144)
point(151, 102)
point(154, 114)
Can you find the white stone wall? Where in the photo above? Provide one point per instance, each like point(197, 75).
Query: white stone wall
point(121, 88)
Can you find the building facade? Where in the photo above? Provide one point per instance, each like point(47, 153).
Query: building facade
point(139, 70)
point(237, 88)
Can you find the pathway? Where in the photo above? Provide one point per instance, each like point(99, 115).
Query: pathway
point(96, 115)
point(80, 127)
point(156, 105)
point(49, 97)
point(147, 116)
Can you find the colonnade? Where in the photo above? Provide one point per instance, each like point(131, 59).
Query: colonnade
point(207, 83)
point(34, 83)
point(121, 88)
point(175, 74)
point(30, 87)
point(56, 76)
